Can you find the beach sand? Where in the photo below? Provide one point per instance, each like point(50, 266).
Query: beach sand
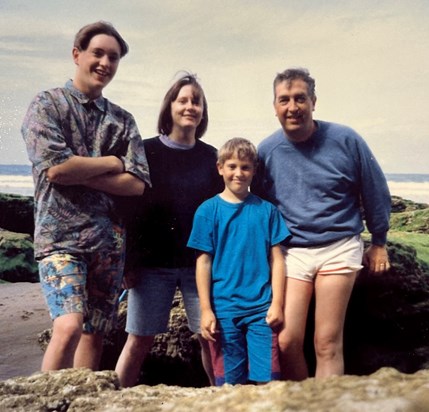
point(23, 315)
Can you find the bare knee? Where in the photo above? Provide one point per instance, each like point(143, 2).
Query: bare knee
point(290, 343)
point(328, 347)
point(66, 332)
point(138, 345)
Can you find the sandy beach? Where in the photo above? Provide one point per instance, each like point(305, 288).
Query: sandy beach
point(23, 315)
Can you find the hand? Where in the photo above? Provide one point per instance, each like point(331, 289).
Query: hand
point(117, 165)
point(376, 259)
point(274, 315)
point(208, 325)
point(129, 280)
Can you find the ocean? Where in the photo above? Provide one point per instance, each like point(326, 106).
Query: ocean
point(17, 179)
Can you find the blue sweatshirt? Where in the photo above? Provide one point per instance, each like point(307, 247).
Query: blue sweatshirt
point(325, 186)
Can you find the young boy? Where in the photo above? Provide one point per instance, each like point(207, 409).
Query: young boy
point(240, 272)
point(84, 150)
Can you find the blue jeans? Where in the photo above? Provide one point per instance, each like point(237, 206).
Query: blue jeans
point(149, 302)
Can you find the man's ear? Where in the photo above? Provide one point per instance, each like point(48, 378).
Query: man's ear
point(75, 54)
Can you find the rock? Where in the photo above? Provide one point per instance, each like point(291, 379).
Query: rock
point(80, 390)
point(402, 205)
point(17, 213)
point(17, 262)
point(387, 321)
point(175, 357)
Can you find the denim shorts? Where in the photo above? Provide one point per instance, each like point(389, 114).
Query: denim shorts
point(88, 284)
point(339, 258)
point(149, 302)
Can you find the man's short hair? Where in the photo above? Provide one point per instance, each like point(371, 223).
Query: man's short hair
point(86, 33)
point(296, 73)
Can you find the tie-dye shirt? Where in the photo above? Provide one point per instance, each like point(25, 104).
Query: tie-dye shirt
point(59, 124)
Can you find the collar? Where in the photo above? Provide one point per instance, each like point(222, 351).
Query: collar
point(99, 102)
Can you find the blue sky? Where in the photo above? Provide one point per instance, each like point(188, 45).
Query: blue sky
point(369, 58)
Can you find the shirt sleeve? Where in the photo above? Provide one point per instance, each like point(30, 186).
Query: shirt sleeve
point(375, 195)
point(202, 234)
point(42, 133)
point(279, 230)
point(135, 160)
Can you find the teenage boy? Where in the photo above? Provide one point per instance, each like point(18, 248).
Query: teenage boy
point(240, 272)
point(84, 150)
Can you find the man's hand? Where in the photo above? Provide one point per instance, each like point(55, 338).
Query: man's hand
point(376, 259)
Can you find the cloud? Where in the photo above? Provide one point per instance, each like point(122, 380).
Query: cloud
point(369, 59)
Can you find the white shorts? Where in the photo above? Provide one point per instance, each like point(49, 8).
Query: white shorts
point(342, 257)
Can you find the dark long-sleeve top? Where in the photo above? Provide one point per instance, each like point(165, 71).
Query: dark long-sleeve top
point(160, 225)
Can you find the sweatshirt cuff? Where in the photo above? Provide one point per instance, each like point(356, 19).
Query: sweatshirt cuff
point(379, 239)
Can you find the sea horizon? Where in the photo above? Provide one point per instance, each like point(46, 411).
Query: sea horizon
point(17, 179)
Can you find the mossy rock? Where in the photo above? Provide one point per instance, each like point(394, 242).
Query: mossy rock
point(17, 262)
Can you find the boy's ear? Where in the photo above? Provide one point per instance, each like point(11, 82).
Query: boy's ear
point(219, 168)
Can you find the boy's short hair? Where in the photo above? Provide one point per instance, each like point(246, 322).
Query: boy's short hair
point(239, 147)
point(86, 33)
point(165, 121)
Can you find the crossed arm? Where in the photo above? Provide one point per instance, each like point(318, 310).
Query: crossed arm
point(104, 173)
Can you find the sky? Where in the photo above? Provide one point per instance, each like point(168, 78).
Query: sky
point(370, 59)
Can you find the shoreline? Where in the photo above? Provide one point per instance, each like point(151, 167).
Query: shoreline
point(414, 192)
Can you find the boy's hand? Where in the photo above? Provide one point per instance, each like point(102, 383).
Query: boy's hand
point(208, 325)
point(274, 315)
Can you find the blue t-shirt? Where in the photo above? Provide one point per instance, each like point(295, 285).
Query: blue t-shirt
point(239, 237)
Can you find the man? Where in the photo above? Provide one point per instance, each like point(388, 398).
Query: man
point(319, 174)
point(85, 151)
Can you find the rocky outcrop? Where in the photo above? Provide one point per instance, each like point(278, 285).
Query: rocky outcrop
point(17, 262)
point(17, 213)
point(80, 390)
point(175, 357)
point(388, 317)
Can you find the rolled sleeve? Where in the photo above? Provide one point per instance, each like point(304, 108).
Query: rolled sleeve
point(44, 139)
point(135, 160)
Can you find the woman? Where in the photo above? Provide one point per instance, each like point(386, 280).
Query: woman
point(183, 173)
